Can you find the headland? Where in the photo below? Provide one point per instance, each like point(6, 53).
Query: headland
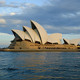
point(36, 39)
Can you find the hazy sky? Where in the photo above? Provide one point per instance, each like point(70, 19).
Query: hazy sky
point(56, 16)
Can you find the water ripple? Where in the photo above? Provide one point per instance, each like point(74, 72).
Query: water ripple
point(39, 66)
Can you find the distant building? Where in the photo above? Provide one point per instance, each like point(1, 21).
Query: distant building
point(37, 38)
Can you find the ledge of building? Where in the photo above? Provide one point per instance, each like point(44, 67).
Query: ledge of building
point(40, 50)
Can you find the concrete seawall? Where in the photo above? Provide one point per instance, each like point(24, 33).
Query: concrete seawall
point(40, 50)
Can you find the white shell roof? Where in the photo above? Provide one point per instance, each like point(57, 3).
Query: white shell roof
point(32, 34)
point(21, 34)
point(55, 38)
point(73, 41)
point(42, 33)
point(67, 41)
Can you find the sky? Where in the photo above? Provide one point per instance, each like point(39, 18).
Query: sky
point(56, 16)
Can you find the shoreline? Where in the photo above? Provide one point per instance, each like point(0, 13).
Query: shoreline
point(40, 50)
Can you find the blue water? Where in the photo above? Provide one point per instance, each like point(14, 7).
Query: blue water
point(39, 66)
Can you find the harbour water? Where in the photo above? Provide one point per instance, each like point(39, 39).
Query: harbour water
point(39, 65)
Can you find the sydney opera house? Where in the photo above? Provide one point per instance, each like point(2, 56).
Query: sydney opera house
point(36, 37)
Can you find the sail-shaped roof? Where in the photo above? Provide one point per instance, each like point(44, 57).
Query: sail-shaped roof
point(20, 34)
point(40, 31)
point(73, 41)
point(55, 38)
point(33, 35)
point(66, 41)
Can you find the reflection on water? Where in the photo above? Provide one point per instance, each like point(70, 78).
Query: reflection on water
point(39, 66)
